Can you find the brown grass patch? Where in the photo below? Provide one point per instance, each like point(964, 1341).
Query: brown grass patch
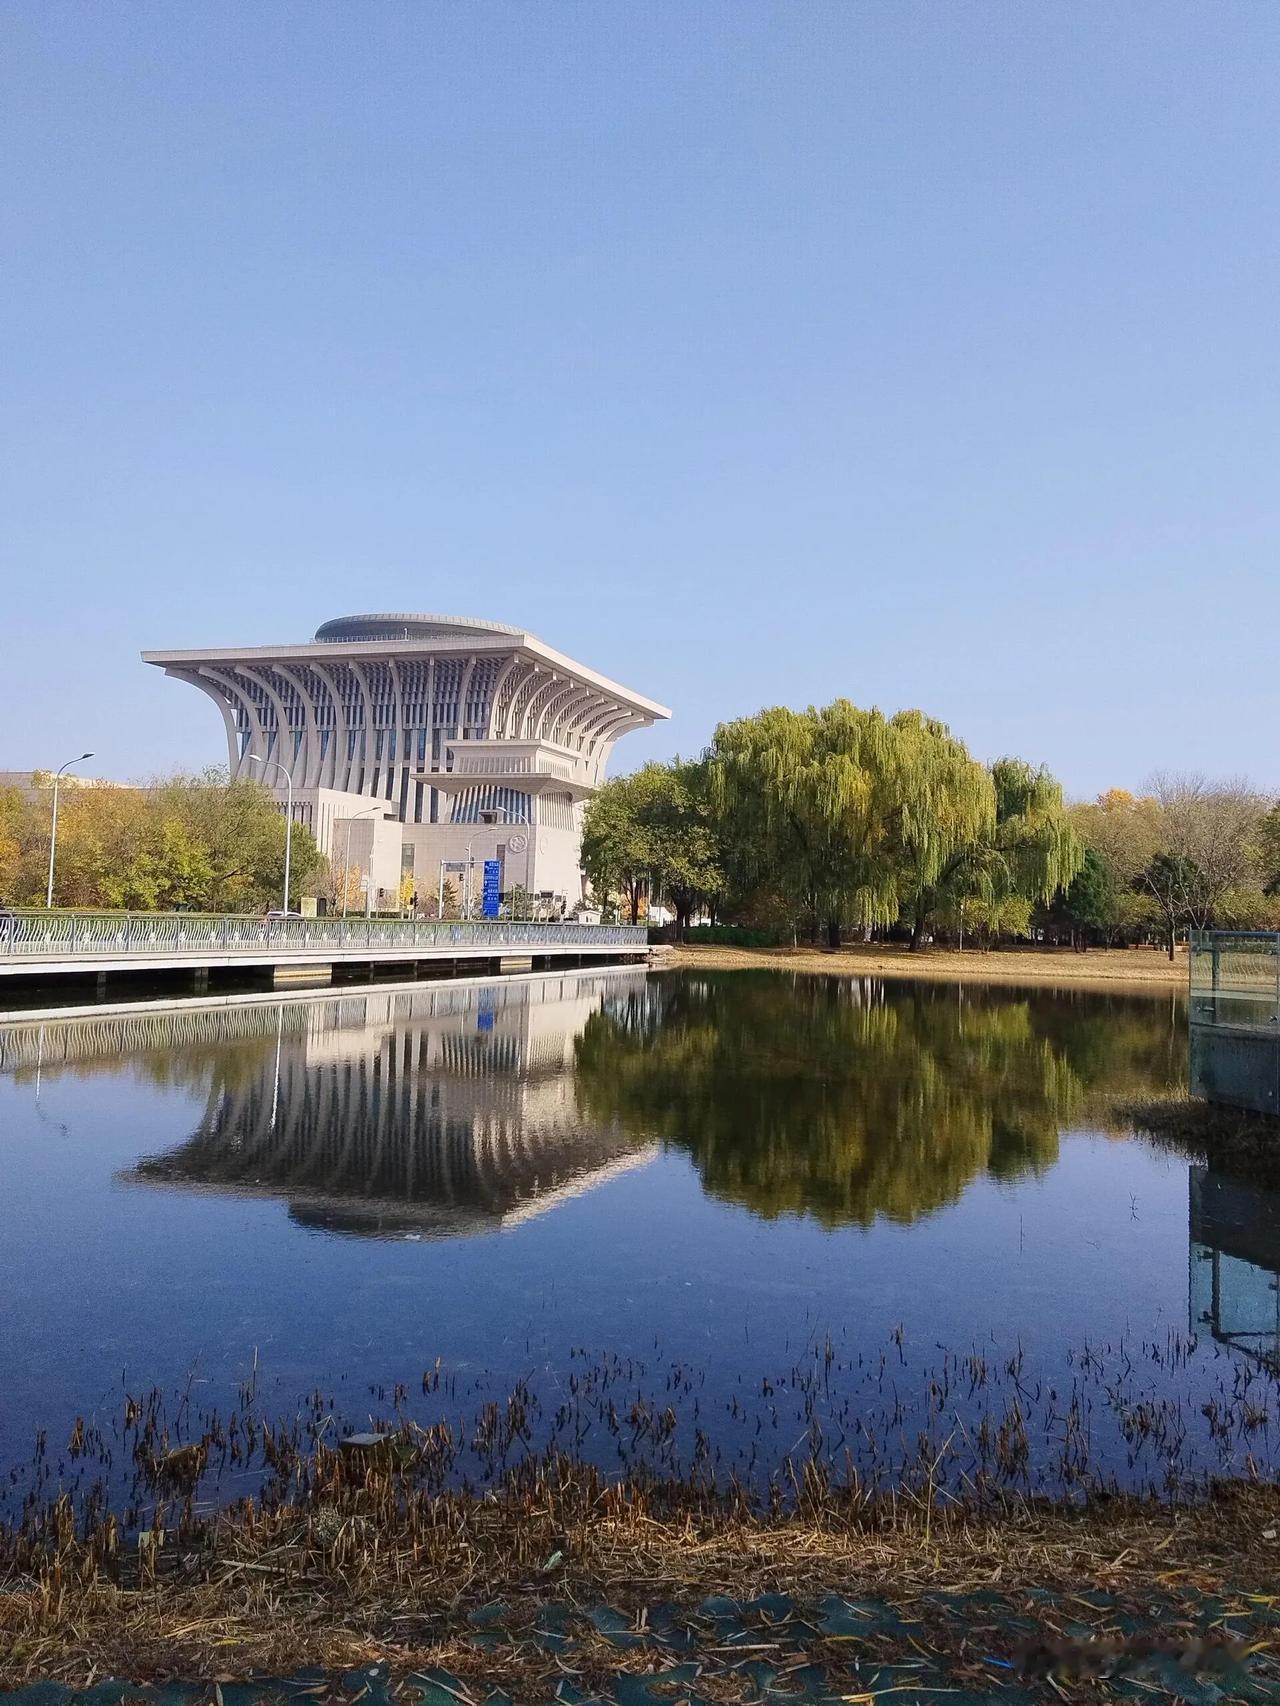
point(1232, 1138)
point(1144, 968)
point(365, 1568)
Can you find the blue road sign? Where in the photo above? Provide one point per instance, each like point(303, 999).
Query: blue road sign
point(492, 887)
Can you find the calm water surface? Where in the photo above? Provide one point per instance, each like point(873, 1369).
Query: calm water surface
point(777, 1204)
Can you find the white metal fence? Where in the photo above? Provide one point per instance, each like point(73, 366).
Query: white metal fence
point(89, 935)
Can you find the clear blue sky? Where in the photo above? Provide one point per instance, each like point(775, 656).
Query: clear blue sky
point(921, 351)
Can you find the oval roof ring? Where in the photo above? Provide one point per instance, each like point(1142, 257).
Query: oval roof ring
point(406, 625)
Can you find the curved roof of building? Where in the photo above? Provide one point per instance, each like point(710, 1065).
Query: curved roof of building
point(405, 625)
point(387, 634)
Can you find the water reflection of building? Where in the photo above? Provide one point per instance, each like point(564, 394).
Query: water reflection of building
point(433, 1111)
point(1234, 1281)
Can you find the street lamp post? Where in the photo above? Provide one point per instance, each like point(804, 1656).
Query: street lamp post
point(346, 865)
point(53, 827)
point(489, 816)
point(288, 819)
point(469, 878)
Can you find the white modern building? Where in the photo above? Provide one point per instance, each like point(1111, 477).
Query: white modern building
point(417, 740)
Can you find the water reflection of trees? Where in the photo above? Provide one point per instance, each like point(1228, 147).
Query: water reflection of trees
point(849, 1100)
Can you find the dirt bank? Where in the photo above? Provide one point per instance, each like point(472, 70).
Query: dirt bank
point(1145, 967)
point(575, 1583)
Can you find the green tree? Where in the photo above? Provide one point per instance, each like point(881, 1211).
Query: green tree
point(833, 805)
point(862, 817)
point(658, 826)
point(244, 831)
point(1177, 886)
point(615, 842)
point(991, 884)
point(949, 829)
point(183, 868)
point(195, 842)
point(1124, 831)
point(1089, 902)
point(682, 836)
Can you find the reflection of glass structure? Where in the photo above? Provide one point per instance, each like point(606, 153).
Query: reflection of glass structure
point(430, 1112)
point(1234, 1280)
point(1235, 1018)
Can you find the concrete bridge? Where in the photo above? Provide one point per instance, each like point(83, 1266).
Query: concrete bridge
point(41, 946)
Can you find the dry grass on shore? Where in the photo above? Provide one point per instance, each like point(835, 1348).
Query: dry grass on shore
point(1234, 1139)
point(364, 1569)
point(1148, 968)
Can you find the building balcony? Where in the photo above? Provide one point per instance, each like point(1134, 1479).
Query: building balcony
point(530, 767)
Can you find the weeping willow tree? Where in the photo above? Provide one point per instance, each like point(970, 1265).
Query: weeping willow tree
point(834, 805)
point(1017, 859)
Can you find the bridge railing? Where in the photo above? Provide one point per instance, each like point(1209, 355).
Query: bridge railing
point(65, 935)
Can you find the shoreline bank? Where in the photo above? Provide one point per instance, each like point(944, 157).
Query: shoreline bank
point(1146, 969)
point(568, 1580)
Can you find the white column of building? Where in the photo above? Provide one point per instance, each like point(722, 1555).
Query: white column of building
point(606, 733)
point(592, 725)
point(430, 714)
point(500, 681)
point(460, 722)
point(575, 733)
point(257, 733)
point(307, 772)
point(566, 717)
point(338, 759)
point(369, 734)
point(399, 773)
point(519, 702)
point(284, 752)
point(219, 697)
point(548, 713)
point(536, 702)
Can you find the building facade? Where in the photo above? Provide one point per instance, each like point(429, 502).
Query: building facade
point(417, 741)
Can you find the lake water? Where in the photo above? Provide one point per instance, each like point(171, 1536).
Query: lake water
point(800, 1214)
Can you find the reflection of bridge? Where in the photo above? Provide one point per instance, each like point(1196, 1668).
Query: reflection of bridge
point(434, 1112)
point(71, 944)
point(121, 1034)
point(1234, 1283)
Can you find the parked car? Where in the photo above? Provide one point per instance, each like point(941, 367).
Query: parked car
point(278, 912)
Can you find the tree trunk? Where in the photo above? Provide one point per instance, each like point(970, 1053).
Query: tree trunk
point(1173, 942)
point(833, 932)
point(917, 931)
